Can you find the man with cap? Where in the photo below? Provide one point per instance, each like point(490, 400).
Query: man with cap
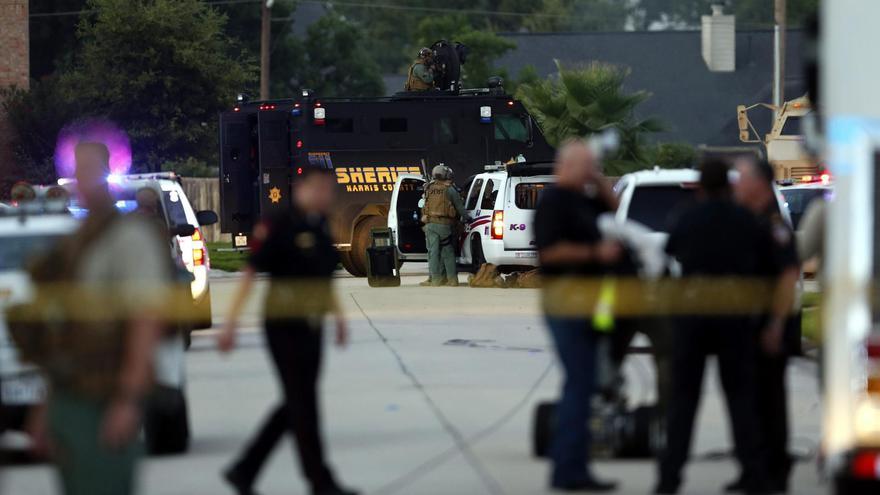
point(421, 76)
point(441, 212)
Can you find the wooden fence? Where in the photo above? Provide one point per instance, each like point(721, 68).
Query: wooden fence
point(204, 194)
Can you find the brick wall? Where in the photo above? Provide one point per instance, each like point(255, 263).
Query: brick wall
point(14, 67)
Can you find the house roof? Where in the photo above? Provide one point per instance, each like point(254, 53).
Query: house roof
point(697, 106)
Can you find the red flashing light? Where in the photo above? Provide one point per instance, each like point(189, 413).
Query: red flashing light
point(317, 103)
point(236, 109)
point(825, 178)
point(866, 466)
point(498, 224)
point(296, 105)
point(299, 171)
point(299, 143)
point(510, 103)
point(267, 106)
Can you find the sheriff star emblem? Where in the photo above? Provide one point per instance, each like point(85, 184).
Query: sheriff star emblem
point(275, 195)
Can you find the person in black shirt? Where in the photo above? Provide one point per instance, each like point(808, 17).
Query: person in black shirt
point(570, 249)
point(718, 244)
point(779, 336)
point(297, 252)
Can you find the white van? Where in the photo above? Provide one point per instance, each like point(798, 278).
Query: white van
point(500, 205)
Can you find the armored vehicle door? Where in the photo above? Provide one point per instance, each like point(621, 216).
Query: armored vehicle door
point(239, 170)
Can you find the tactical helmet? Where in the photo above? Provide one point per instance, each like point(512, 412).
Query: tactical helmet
point(425, 52)
point(440, 172)
point(450, 174)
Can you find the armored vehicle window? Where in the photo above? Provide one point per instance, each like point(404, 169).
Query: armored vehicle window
point(474, 195)
point(340, 125)
point(489, 195)
point(392, 125)
point(444, 132)
point(510, 128)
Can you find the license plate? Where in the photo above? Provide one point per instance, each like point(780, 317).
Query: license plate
point(241, 241)
point(24, 390)
point(526, 254)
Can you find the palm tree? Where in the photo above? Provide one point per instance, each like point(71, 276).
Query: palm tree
point(579, 102)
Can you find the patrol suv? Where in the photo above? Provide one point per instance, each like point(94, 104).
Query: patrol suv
point(178, 213)
point(29, 230)
point(500, 205)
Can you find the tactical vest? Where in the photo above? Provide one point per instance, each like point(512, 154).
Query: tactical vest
point(413, 83)
point(438, 207)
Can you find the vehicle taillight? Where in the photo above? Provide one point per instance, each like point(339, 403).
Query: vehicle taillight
point(866, 465)
point(498, 224)
point(200, 254)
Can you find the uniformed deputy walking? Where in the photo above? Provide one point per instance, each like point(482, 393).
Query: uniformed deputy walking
point(420, 76)
point(571, 251)
point(778, 339)
point(718, 244)
point(442, 211)
point(296, 250)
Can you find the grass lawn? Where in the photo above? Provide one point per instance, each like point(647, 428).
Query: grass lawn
point(810, 324)
point(226, 260)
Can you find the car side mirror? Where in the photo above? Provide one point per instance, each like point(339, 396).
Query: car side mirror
point(183, 230)
point(206, 217)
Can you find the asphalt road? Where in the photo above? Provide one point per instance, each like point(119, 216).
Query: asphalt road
point(434, 395)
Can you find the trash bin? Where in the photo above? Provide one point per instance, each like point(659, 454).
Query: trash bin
point(382, 266)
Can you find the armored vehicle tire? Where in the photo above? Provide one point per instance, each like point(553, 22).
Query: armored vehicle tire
point(543, 425)
point(356, 264)
point(166, 422)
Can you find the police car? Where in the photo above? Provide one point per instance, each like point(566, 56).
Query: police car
point(27, 230)
point(799, 195)
point(179, 215)
point(500, 205)
point(24, 232)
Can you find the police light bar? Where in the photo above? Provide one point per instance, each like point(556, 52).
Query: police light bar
point(486, 114)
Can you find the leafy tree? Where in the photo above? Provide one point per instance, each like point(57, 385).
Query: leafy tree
point(582, 101)
point(687, 13)
point(673, 155)
point(52, 38)
point(484, 46)
point(161, 69)
point(333, 63)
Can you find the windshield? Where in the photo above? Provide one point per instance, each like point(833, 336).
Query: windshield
point(797, 201)
point(652, 205)
point(15, 252)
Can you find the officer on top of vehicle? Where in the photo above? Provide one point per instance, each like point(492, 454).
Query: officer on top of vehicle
point(441, 211)
point(421, 75)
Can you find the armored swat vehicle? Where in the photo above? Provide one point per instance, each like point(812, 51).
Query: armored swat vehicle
point(367, 142)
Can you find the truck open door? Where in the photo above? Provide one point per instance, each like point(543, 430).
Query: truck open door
point(238, 174)
point(404, 217)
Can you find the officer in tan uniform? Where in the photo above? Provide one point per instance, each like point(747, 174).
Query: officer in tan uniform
point(421, 76)
point(441, 212)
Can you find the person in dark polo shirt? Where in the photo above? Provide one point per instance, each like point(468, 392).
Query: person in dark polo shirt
point(572, 254)
point(296, 250)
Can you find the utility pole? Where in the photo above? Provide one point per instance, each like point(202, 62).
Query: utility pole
point(265, 41)
point(779, 55)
